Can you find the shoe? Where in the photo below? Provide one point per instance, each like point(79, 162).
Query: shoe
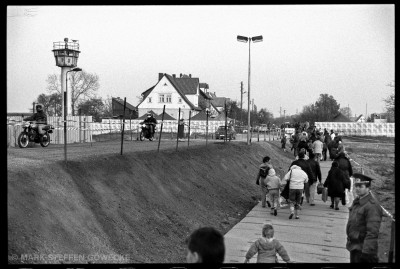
point(331, 206)
point(263, 206)
point(312, 204)
point(297, 217)
point(275, 212)
point(291, 215)
point(269, 204)
point(336, 208)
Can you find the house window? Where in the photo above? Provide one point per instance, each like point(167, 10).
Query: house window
point(179, 100)
point(161, 98)
point(149, 99)
point(169, 98)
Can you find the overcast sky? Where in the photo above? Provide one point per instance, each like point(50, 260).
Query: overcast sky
point(346, 51)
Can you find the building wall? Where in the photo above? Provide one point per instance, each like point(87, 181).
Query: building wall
point(164, 87)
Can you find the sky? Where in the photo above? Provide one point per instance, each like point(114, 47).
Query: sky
point(346, 51)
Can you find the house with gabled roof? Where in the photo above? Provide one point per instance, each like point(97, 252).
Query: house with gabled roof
point(174, 92)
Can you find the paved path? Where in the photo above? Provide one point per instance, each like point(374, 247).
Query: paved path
point(319, 236)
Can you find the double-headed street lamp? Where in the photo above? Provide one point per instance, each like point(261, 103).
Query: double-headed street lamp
point(248, 39)
point(66, 108)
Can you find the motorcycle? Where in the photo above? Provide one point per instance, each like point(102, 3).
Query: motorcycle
point(146, 131)
point(31, 134)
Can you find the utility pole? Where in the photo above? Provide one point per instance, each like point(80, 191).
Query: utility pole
point(280, 112)
point(241, 101)
point(284, 113)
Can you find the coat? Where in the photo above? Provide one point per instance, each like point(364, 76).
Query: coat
point(305, 166)
point(362, 230)
point(316, 169)
point(335, 182)
point(297, 178)
point(39, 117)
point(267, 251)
point(344, 165)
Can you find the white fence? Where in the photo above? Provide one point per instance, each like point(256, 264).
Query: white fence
point(78, 129)
point(359, 128)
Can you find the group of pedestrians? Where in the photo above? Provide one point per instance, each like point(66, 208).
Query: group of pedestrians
point(303, 175)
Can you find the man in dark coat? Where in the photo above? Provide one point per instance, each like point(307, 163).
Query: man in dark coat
point(305, 166)
point(365, 217)
point(344, 164)
point(335, 182)
point(316, 169)
point(40, 117)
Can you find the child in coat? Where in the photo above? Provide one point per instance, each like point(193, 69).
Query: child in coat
point(266, 248)
point(273, 183)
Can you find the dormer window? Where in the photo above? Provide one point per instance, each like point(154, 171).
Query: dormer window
point(149, 99)
point(179, 100)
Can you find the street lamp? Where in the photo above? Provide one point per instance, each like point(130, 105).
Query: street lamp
point(66, 109)
point(245, 40)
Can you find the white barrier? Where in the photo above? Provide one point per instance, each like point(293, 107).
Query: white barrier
point(359, 128)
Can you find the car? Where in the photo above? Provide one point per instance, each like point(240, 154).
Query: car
point(230, 132)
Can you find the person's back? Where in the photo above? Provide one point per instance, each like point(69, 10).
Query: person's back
point(267, 247)
point(304, 165)
point(297, 177)
point(344, 164)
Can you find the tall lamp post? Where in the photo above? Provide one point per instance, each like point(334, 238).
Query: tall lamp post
point(245, 40)
point(66, 108)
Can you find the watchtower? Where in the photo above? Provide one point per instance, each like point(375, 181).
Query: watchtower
point(66, 55)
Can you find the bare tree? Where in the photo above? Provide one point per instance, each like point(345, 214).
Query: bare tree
point(82, 84)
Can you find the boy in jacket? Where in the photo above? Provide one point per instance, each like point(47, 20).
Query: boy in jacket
point(266, 247)
point(273, 183)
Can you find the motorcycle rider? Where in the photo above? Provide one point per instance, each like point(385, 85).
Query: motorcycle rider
point(151, 122)
point(40, 117)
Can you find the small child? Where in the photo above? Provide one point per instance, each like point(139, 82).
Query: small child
point(283, 142)
point(273, 183)
point(266, 248)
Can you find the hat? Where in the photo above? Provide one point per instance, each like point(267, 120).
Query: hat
point(360, 179)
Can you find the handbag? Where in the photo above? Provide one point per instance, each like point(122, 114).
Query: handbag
point(285, 192)
point(325, 194)
point(320, 187)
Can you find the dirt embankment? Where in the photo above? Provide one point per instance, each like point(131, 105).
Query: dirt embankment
point(141, 206)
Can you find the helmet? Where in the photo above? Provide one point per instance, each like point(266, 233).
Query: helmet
point(39, 107)
point(149, 114)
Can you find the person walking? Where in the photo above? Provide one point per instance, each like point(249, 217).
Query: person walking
point(267, 247)
point(335, 182)
point(262, 174)
point(344, 165)
point(317, 147)
point(273, 183)
point(297, 179)
point(305, 166)
point(365, 217)
point(283, 142)
point(332, 135)
point(316, 169)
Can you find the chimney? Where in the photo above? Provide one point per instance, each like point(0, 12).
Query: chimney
point(173, 75)
point(160, 75)
point(180, 75)
point(190, 75)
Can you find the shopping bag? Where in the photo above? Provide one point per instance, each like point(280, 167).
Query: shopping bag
point(349, 198)
point(320, 187)
point(325, 194)
point(285, 192)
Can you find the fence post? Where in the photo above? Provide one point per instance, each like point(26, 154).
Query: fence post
point(392, 237)
point(109, 121)
point(190, 115)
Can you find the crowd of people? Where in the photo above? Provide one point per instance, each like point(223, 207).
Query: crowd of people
point(311, 146)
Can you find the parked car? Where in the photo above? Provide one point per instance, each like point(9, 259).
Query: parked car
point(230, 132)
